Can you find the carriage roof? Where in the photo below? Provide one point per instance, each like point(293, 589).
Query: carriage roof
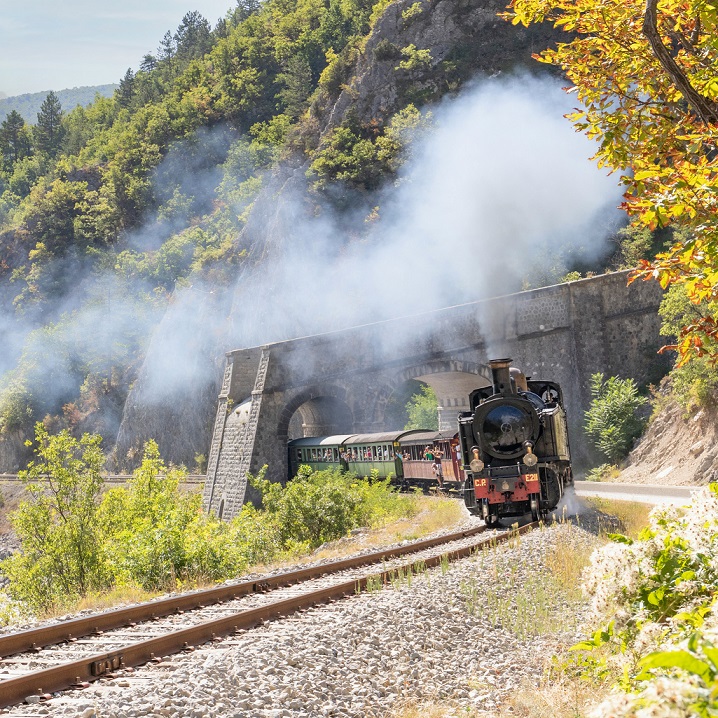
point(335, 440)
point(429, 437)
point(386, 437)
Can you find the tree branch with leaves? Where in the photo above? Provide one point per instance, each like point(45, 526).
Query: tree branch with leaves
point(646, 76)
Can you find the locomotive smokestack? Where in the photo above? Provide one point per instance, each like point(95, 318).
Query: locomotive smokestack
point(501, 376)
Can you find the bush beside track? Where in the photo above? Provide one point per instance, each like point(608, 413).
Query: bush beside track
point(660, 647)
point(77, 542)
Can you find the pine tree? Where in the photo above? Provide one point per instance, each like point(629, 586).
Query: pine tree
point(49, 131)
point(245, 8)
point(126, 91)
point(297, 79)
point(166, 50)
point(193, 37)
point(149, 62)
point(14, 140)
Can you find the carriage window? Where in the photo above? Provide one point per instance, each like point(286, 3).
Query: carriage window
point(335, 455)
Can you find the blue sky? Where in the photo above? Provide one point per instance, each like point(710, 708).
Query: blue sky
point(56, 44)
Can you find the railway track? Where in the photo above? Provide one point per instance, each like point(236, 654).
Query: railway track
point(38, 662)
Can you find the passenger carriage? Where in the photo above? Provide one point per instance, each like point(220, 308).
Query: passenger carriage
point(399, 454)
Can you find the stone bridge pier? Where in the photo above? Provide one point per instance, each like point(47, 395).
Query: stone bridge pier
point(340, 382)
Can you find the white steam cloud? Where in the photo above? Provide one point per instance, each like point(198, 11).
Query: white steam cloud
point(501, 190)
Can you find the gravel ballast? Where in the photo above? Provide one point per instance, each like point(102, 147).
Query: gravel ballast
point(436, 639)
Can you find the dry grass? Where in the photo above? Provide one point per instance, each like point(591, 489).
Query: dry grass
point(566, 562)
point(434, 514)
point(428, 709)
point(559, 697)
point(119, 596)
point(632, 516)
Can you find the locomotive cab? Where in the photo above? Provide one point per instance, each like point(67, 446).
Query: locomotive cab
point(517, 444)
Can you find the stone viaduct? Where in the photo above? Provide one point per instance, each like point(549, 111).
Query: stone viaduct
point(340, 382)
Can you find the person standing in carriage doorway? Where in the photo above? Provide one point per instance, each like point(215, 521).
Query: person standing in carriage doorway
point(437, 468)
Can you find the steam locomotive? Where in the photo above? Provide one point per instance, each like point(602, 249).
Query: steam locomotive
point(515, 445)
point(510, 457)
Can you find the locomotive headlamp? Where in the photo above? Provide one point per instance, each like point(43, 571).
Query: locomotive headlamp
point(476, 464)
point(530, 459)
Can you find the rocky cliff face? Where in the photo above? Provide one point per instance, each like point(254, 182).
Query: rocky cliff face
point(679, 448)
point(464, 40)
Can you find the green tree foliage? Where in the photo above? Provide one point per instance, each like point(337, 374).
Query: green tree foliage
point(149, 521)
point(298, 85)
point(61, 556)
point(125, 93)
point(423, 411)
point(414, 58)
point(96, 172)
point(192, 39)
point(695, 383)
point(365, 156)
point(613, 421)
point(636, 242)
point(49, 131)
point(14, 140)
point(320, 506)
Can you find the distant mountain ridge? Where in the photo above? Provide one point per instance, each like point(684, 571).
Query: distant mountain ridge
point(29, 105)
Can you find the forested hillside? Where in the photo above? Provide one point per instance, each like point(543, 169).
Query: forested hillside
point(29, 105)
point(140, 236)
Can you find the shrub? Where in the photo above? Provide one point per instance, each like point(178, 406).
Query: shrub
point(612, 421)
point(320, 506)
point(660, 592)
point(149, 522)
point(61, 557)
point(415, 59)
point(386, 50)
point(411, 12)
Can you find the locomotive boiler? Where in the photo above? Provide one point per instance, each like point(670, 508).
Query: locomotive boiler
point(515, 446)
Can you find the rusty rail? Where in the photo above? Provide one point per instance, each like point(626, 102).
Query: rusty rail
point(91, 668)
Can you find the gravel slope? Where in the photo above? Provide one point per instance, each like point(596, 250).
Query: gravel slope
point(439, 638)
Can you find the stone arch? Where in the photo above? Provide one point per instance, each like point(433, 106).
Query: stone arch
point(324, 410)
point(452, 380)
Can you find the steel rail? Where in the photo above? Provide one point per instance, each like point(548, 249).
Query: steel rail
point(34, 639)
point(91, 668)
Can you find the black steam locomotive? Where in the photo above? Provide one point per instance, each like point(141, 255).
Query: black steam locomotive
point(515, 446)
